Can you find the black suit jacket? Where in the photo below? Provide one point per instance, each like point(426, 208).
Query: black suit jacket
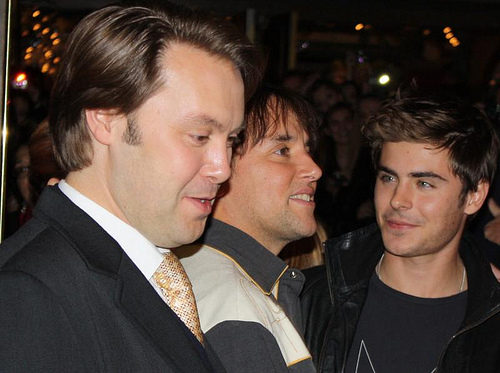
point(71, 300)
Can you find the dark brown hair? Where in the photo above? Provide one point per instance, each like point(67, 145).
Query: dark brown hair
point(269, 108)
point(113, 59)
point(447, 124)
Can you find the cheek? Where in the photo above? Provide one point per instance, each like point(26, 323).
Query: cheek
point(381, 196)
point(280, 176)
point(433, 206)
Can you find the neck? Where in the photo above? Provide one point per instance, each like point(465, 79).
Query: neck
point(424, 277)
point(90, 182)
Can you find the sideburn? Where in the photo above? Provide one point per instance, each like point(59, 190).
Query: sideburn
point(132, 135)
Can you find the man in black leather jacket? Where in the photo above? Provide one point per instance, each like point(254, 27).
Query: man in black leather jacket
point(412, 294)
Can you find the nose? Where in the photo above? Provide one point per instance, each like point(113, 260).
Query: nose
point(401, 197)
point(309, 169)
point(217, 167)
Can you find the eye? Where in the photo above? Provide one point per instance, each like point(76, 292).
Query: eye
point(200, 139)
point(233, 141)
point(21, 171)
point(424, 184)
point(283, 151)
point(386, 178)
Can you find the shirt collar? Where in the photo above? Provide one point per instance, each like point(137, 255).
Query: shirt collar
point(264, 268)
point(142, 252)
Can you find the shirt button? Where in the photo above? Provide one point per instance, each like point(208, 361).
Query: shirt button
point(293, 274)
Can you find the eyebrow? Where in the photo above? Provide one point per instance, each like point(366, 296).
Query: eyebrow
point(207, 120)
point(416, 174)
point(281, 137)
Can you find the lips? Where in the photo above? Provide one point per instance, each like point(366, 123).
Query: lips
point(400, 224)
point(203, 204)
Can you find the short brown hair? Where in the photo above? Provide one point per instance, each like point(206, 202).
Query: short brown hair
point(112, 62)
point(268, 108)
point(447, 124)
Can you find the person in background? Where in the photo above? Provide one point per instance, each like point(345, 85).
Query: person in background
point(247, 296)
point(44, 167)
point(19, 196)
point(322, 94)
point(413, 293)
point(144, 112)
point(345, 193)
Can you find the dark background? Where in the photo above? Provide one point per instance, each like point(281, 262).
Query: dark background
point(404, 39)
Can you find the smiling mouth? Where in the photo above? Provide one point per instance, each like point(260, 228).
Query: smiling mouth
point(303, 197)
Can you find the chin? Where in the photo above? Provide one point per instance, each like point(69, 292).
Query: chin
point(309, 230)
point(400, 249)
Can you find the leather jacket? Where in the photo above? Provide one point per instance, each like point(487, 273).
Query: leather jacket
point(334, 295)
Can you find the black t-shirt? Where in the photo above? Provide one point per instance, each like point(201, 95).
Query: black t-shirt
point(400, 333)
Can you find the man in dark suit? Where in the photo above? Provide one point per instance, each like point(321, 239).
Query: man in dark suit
point(144, 111)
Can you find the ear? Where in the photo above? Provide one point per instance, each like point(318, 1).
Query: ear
point(475, 200)
point(100, 123)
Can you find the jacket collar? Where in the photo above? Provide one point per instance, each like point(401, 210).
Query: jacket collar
point(483, 294)
point(352, 258)
point(264, 268)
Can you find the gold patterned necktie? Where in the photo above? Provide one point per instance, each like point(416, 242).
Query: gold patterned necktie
point(178, 293)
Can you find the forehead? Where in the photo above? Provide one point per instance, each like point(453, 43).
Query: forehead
point(406, 157)
point(288, 125)
point(22, 153)
point(197, 84)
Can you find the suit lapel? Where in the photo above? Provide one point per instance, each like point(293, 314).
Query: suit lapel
point(135, 296)
point(145, 306)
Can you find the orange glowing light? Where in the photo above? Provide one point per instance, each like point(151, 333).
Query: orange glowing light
point(20, 77)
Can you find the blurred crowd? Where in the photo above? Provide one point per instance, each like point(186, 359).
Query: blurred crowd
point(344, 197)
